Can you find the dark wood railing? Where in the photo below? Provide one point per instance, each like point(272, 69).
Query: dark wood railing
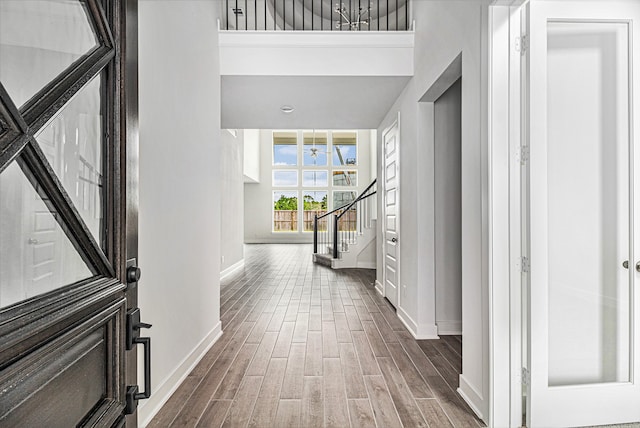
point(316, 15)
point(333, 235)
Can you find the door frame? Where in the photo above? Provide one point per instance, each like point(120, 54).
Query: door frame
point(396, 123)
point(507, 71)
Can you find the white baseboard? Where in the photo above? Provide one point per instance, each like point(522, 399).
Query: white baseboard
point(366, 265)
point(408, 322)
point(419, 332)
point(471, 396)
point(231, 269)
point(148, 408)
point(447, 328)
point(379, 288)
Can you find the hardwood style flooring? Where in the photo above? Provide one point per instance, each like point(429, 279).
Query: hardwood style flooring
point(307, 346)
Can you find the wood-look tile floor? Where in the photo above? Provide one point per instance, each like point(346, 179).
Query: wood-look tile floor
point(307, 346)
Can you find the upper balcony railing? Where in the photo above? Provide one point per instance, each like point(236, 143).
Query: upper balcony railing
point(315, 15)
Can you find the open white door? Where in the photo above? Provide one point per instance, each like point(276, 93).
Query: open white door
point(584, 214)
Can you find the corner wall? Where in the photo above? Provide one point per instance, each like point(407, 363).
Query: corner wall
point(179, 223)
point(230, 159)
point(444, 29)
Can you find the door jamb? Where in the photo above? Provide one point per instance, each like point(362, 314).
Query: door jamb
point(506, 281)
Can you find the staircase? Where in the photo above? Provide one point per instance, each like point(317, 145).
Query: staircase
point(346, 236)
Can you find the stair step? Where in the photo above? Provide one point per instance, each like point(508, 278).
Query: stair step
point(323, 259)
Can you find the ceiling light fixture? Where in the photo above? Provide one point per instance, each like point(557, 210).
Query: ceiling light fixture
point(286, 109)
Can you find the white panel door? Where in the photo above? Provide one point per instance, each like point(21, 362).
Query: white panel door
point(583, 326)
point(391, 214)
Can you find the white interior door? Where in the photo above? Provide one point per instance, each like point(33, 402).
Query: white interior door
point(391, 211)
point(583, 329)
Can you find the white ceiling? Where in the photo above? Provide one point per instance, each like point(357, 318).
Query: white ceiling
point(329, 102)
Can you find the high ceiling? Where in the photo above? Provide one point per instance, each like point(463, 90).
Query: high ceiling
point(333, 102)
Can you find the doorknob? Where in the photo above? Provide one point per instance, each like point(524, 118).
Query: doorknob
point(394, 240)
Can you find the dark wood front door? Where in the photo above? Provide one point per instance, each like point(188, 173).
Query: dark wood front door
point(68, 221)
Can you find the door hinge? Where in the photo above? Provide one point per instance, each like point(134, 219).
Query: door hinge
point(522, 156)
point(525, 265)
point(521, 44)
point(526, 376)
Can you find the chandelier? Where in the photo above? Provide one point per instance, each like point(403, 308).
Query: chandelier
point(352, 19)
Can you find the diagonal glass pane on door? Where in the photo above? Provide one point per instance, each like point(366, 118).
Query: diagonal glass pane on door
point(39, 39)
point(73, 144)
point(37, 255)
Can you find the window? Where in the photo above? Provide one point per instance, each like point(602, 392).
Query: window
point(315, 148)
point(345, 178)
point(314, 204)
point(285, 148)
point(313, 172)
point(286, 178)
point(314, 179)
point(285, 211)
point(343, 198)
point(345, 148)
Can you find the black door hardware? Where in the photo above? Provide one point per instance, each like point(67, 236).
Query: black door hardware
point(133, 272)
point(133, 338)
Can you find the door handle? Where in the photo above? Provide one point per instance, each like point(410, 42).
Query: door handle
point(625, 264)
point(133, 338)
point(394, 240)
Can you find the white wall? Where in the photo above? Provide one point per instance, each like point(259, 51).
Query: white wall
point(251, 159)
point(448, 239)
point(179, 225)
point(444, 29)
point(231, 199)
point(258, 197)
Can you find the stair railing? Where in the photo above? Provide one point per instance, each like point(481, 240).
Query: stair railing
point(348, 222)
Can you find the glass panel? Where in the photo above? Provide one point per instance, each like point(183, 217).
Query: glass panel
point(315, 148)
point(345, 148)
point(73, 144)
point(37, 255)
point(285, 211)
point(315, 179)
point(343, 198)
point(285, 148)
point(39, 39)
point(345, 178)
point(315, 204)
point(285, 178)
point(588, 203)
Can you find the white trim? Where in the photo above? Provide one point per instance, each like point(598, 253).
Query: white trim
point(408, 322)
point(366, 265)
point(149, 408)
point(282, 238)
point(316, 39)
point(231, 269)
point(449, 328)
point(471, 396)
point(379, 288)
point(503, 106)
point(419, 332)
